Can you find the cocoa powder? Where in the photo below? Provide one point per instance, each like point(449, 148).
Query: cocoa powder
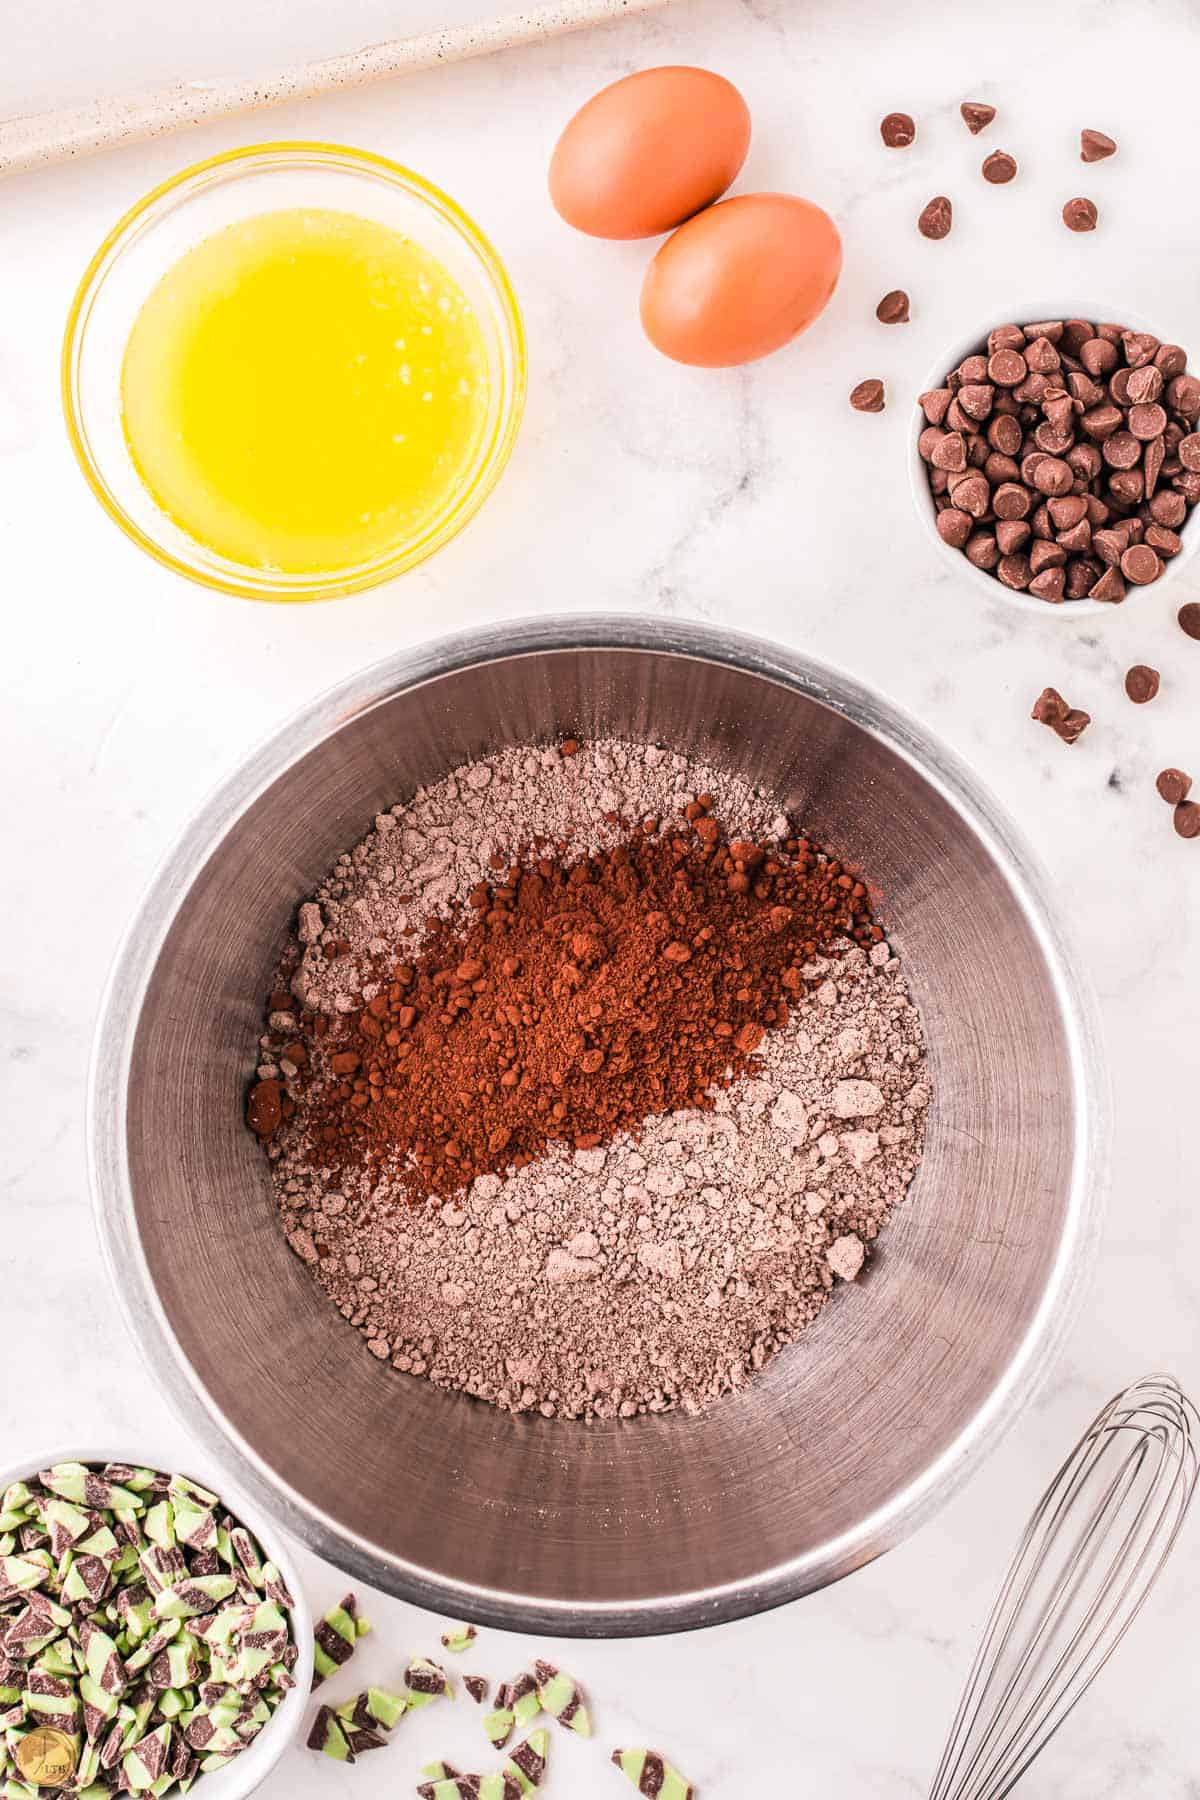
point(570, 1001)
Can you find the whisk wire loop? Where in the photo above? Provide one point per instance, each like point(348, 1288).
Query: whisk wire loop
point(1082, 1571)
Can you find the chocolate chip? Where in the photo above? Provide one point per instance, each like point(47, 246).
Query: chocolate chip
point(1013, 535)
point(1183, 396)
point(936, 219)
point(1049, 585)
point(1121, 450)
point(1141, 683)
point(893, 308)
point(972, 493)
point(1077, 538)
point(1086, 461)
point(1110, 545)
point(1067, 722)
point(1170, 359)
point(868, 396)
point(1189, 618)
point(1101, 421)
point(1011, 501)
point(1153, 457)
point(1139, 347)
point(1174, 786)
point(976, 399)
point(1006, 368)
point(1053, 439)
point(1187, 819)
point(954, 527)
point(1014, 572)
point(1004, 435)
point(1188, 450)
point(897, 130)
point(1147, 421)
point(982, 550)
point(976, 115)
point(1042, 357)
point(1127, 486)
point(1049, 708)
point(1099, 356)
point(1110, 587)
point(934, 404)
point(1080, 215)
point(949, 453)
point(1053, 476)
point(1068, 510)
point(1143, 384)
point(1141, 565)
point(999, 167)
point(1169, 509)
point(1094, 146)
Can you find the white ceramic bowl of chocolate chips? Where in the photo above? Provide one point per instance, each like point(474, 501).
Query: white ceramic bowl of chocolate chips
point(1055, 458)
point(151, 1626)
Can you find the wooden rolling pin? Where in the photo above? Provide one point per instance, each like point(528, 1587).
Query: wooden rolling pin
point(39, 139)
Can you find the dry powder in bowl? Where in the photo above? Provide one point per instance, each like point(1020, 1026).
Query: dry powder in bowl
point(690, 1081)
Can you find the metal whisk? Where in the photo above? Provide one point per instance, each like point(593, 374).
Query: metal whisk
point(1089, 1557)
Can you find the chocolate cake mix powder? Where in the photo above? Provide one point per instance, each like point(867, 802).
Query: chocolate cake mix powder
point(674, 1205)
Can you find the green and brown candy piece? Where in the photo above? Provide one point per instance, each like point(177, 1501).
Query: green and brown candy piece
point(652, 1774)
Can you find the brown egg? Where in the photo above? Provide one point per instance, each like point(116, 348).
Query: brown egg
point(649, 151)
point(741, 279)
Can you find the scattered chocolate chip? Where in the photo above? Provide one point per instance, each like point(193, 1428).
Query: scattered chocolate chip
point(868, 396)
point(937, 218)
point(897, 130)
point(1141, 683)
point(1187, 819)
point(1049, 708)
point(1189, 618)
point(999, 167)
point(1174, 786)
point(976, 115)
point(1094, 146)
point(1067, 722)
point(893, 308)
point(1080, 215)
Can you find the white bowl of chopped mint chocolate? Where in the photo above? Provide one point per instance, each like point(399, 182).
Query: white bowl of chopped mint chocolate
point(153, 1637)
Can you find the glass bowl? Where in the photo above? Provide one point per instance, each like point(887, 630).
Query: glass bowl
point(199, 201)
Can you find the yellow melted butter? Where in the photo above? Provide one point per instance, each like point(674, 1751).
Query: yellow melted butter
point(305, 390)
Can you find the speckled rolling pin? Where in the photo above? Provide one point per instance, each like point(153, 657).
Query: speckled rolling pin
point(34, 140)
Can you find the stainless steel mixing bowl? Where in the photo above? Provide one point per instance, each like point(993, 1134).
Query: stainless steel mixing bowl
point(848, 1439)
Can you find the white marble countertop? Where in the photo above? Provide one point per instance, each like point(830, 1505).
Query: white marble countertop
point(740, 497)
